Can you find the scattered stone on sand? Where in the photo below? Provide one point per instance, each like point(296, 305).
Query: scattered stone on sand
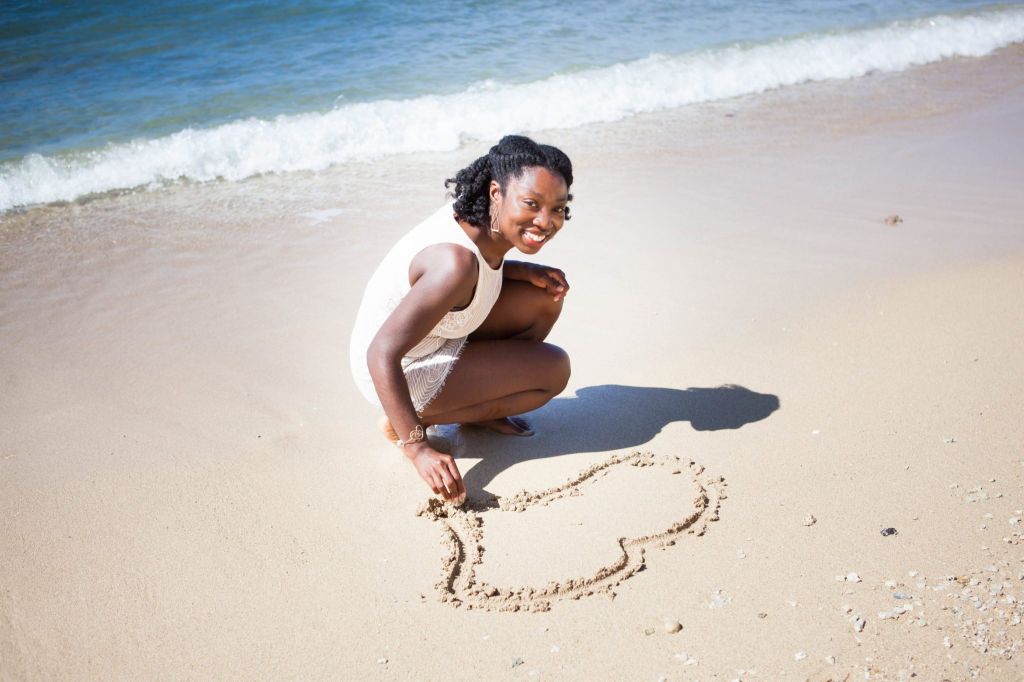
point(1014, 520)
point(886, 532)
point(809, 520)
point(800, 655)
point(892, 220)
point(852, 578)
point(949, 441)
point(946, 643)
point(648, 631)
point(382, 661)
point(516, 661)
point(896, 612)
point(685, 658)
point(762, 615)
point(555, 648)
point(740, 554)
point(718, 600)
point(859, 623)
point(672, 626)
point(977, 494)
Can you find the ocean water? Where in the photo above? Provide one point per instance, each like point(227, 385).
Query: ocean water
point(106, 96)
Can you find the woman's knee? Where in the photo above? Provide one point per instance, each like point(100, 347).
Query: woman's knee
point(557, 369)
point(545, 312)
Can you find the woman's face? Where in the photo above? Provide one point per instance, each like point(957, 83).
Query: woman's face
point(532, 209)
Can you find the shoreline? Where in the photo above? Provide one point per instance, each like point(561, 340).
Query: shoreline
point(190, 484)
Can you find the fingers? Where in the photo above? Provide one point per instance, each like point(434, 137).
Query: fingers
point(460, 487)
point(557, 286)
point(442, 475)
point(450, 485)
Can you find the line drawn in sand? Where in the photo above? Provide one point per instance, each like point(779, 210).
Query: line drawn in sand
point(463, 537)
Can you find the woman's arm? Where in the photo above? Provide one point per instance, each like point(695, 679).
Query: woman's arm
point(441, 277)
point(542, 276)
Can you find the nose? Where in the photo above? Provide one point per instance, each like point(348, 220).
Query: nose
point(543, 219)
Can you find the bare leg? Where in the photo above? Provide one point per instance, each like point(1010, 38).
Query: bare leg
point(506, 369)
point(497, 379)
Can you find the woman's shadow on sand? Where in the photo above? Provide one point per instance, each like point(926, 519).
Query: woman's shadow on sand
point(610, 417)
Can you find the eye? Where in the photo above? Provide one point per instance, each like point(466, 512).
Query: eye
point(560, 210)
point(530, 202)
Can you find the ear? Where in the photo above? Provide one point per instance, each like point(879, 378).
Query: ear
point(495, 191)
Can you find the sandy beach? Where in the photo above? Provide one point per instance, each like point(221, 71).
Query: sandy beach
point(793, 426)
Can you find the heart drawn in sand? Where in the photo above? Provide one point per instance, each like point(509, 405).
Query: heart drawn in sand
point(463, 529)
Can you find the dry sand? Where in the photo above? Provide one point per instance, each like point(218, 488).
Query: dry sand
point(190, 487)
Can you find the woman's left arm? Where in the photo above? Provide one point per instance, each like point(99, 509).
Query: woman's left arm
point(543, 276)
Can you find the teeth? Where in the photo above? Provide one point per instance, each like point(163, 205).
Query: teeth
point(538, 238)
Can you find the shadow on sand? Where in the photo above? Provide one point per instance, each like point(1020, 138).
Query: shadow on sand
point(610, 417)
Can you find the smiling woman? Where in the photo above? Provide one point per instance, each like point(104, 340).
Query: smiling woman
point(449, 332)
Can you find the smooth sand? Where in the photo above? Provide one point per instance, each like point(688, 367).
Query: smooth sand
point(190, 487)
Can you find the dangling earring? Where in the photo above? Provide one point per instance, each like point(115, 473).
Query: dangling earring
point(494, 219)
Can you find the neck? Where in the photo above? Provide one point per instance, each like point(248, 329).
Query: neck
point(492, 245)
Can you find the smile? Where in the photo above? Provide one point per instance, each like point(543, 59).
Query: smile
point(535, 238)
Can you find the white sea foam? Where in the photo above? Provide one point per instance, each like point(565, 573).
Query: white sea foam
point(359, 131)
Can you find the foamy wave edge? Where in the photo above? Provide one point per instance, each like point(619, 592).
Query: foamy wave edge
point(313, 141)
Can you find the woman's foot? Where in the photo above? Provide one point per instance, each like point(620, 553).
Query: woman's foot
point(384, 424)
point(510, 426)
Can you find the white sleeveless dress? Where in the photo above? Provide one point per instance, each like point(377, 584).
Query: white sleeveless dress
point(428, 364)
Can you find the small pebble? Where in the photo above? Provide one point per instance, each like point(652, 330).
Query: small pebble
point(852, 578)
point(648, 631)
point(859, 623)
point(893, 220)
point(672, 626)
point(516, 662)
point(831, 660)
point(382, 661)
point(740, 554)
point(765, 615)
point(886, 532)
point(800, 655)
point(946, 643)
point(809, 520)
point(555, 649)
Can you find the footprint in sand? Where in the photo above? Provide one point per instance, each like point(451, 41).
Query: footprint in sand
point(463, 529)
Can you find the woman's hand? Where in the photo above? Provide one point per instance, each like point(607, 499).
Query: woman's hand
point(439, 471)
point(548, 278)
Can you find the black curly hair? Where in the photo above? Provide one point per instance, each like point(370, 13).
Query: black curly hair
point(508, 159)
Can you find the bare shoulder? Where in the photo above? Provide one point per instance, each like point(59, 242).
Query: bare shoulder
point(450, 263)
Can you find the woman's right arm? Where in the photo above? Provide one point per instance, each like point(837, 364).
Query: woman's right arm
point(441, 277)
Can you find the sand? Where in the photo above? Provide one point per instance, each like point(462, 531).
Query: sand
point(190, 486)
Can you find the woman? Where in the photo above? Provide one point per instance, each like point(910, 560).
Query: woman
point(447, 282)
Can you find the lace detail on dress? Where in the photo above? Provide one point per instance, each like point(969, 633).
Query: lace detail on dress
point(426, 375)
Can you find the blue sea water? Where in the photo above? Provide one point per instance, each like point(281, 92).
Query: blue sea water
point(111, 95)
